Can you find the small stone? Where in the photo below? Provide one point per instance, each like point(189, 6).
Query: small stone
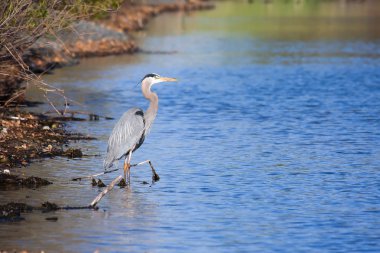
point(45, 128)
point(48, 148)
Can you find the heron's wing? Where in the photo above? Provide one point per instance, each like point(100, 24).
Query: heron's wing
point(125, 135)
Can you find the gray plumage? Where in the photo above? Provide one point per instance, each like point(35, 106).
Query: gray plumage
point(130, 131)
point(127, 133)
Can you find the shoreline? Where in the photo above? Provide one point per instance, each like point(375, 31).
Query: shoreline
point(26, 136)
point(86, 39)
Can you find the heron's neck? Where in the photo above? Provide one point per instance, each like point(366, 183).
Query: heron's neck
point(151, 112)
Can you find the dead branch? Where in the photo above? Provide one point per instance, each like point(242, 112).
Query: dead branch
point(23, 22)
point(104, 192)
point(71, 114)
point(95, 175)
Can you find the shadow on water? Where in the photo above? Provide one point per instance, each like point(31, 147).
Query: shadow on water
point(269, 142)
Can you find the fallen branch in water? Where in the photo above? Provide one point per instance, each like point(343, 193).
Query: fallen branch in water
point(71, 113)
point(12, 211)
point(95, 175)
point(104, 192)
point(106, 172)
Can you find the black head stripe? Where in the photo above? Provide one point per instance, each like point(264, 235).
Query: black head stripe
point(139, 113)
point(149, 75)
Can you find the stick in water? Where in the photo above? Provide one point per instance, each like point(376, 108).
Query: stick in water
point(104, 192)
point(99, 174)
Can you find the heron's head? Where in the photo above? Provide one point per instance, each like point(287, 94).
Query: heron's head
point(153, 78)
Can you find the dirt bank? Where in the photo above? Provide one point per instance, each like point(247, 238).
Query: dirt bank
point(25, 136)
point(100, 38)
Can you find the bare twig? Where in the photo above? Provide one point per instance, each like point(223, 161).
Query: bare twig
point(63, 113)
point(23, 22)
point(52, 105)
point(104, 192)
point(95, 175)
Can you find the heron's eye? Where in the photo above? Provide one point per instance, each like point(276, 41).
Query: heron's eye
point(157, 77)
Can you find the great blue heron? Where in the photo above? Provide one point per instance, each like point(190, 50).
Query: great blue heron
point(130, 131)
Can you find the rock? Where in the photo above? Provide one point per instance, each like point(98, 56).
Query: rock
point(73, 153)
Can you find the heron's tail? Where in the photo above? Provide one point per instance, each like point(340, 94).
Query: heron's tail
point(107, 163)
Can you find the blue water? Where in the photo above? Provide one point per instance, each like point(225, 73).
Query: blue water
point(263, 146)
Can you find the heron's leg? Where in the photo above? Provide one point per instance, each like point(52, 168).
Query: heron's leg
point(155, 176)
point(128, 165)
point(125, 167)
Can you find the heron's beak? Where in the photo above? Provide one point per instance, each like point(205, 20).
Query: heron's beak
point(168, 79)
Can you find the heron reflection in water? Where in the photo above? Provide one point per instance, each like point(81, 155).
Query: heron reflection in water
point(130, 131)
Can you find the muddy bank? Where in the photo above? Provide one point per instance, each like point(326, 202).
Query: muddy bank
point(25, 136)
point(82, 39)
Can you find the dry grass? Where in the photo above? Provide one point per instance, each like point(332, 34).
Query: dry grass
point(22, 23)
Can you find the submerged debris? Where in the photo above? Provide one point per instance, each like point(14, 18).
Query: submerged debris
point(155, 177)
point(73, 153)
point(51, 218)
point(48, 207)
point(98, 184)
point(33, 182)
point(12, 211)
point(101, 184)
point(122, 183)
point(11, 181)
